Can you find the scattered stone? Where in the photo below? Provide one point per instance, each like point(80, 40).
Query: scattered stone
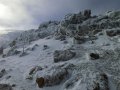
point(94, 56)
point(5, 87)
point(63, 55)
point(45, 47)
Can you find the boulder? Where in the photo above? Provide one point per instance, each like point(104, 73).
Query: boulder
point(63, 55)
point(55, 77)
point(5, 87)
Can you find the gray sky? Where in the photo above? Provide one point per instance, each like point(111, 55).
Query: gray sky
point(25, 14)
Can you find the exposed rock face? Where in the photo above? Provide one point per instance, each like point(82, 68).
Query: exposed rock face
point(63, 55)
point(5, 87)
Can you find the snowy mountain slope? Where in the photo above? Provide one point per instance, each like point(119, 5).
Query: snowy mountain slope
point(87, 53)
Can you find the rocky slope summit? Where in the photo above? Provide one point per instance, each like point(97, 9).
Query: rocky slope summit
point(80, 52)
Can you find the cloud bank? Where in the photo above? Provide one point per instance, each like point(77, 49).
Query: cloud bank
point(25, 14)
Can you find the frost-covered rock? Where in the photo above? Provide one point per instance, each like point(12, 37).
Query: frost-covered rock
point(79, 82)
point(56, 78)
point(63, 55)
point(53, 76)
point(114, 14)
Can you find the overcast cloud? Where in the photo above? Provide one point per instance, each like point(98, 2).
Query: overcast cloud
point(25, 14)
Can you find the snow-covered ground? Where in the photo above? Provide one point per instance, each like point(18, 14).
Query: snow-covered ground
point(19, 67)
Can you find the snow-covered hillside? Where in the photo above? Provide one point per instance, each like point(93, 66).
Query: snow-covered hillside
point(81, 52)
